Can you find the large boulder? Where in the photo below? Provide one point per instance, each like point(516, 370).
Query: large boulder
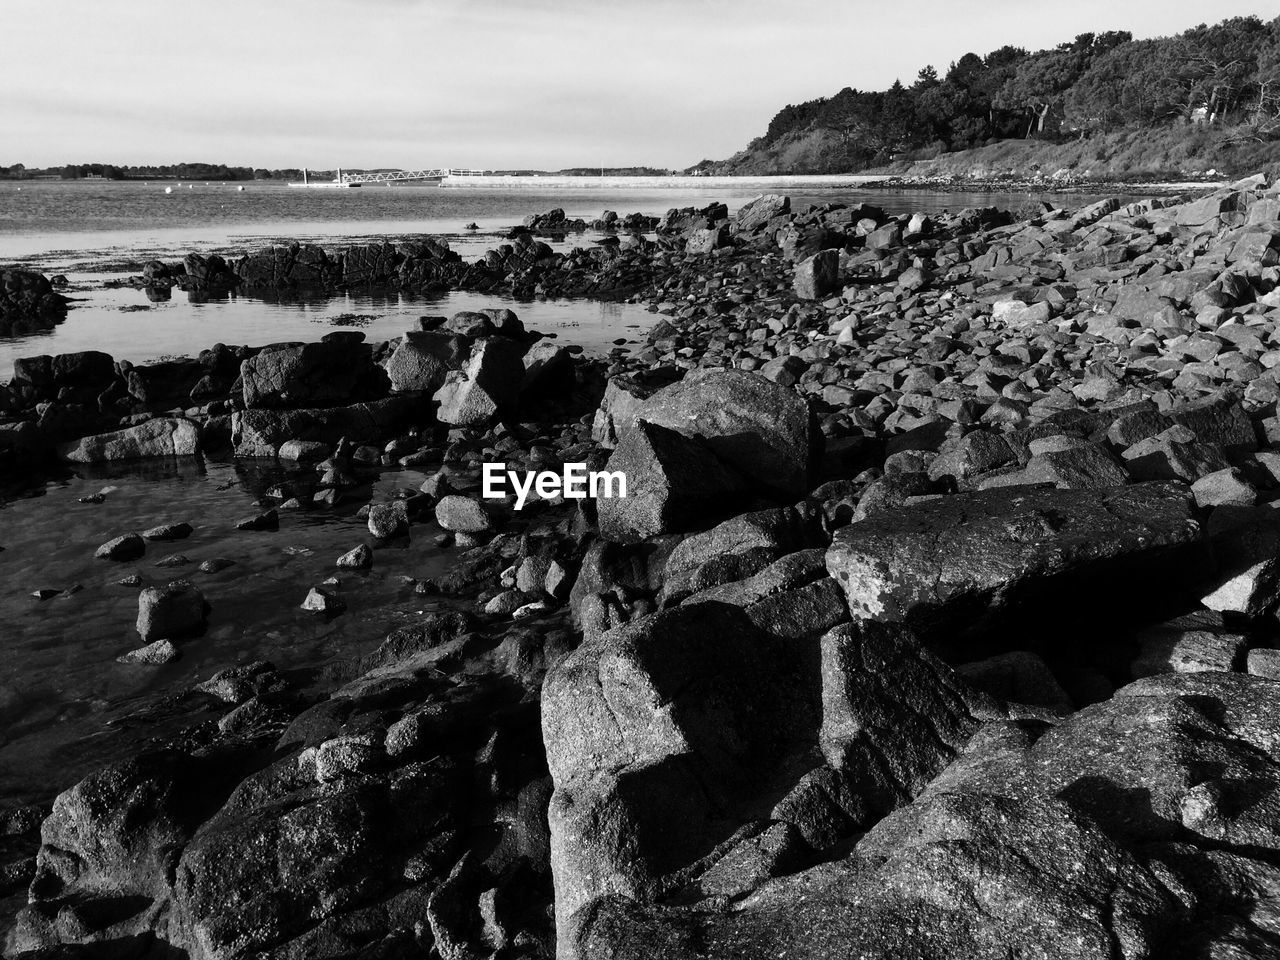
point(817, 275)
point(162, 437)
point(488, 384)
point(961, 561)
point(424, 359)
point(751, 423)
point(1139, 827)
point(673, 483)
point(312, 374)
point(753, 215)
point(661, 736)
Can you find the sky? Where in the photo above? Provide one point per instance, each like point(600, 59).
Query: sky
point(495, 84)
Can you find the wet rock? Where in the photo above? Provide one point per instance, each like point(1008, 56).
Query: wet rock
point(267, 520)
point(168, 531)
point(157, 652)
point(129, 546)
point(323, 602)
point(388, 520)
point(310, 375)
point(357, 558)
point(161, 437)
point(173, 611)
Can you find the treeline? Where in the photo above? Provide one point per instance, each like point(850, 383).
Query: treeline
point(167, 171)
point(1225, 75)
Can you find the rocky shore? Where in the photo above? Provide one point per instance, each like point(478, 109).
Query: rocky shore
point(939, 619)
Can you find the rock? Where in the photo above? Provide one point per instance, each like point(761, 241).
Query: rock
point(168, 531)
point(267, 520)
point(1018, 677)
point(749, 422)
point(261, 433)
point(130, 546)
point(817, 276)
point(957, 561)
point(459, 514)
point(1082, 466)
point(616, 415)
point(323, 602)
point(674, 483)
point(1223, 487)
point(1010, 832)
point(1265, 663)
point(1189, 644)
point(654, 731)
point(172, 612)
point(753, 215)
point(388, 520)
point(423, 360)
point(357, 558)
point(160, 651)
point(488, 384)
point(892, 714)
point(311, 374)
point(155, 438)
point(1247, 556)
point(1019, 315)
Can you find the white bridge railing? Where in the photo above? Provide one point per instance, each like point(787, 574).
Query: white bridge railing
point(396, 175)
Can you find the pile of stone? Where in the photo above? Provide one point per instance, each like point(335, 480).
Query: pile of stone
point(939, 620)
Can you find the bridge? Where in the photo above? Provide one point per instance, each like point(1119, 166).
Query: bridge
point(397, 176)
point(386, 176)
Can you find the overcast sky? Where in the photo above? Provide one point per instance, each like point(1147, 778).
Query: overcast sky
point(482, 83)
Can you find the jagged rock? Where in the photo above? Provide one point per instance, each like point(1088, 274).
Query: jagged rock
point(1189, 644)
point(818, 275)
point(738, 548)
point(749, 422)
point(423, 360)
point(961, 560)
point(1102, 831)
point(357, 558)
point(162, 437)
point(488, 384)
point(674, 483)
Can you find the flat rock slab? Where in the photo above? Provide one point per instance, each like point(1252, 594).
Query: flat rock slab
point(957, 560)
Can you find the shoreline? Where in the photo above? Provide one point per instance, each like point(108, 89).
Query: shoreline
point(1054, 413)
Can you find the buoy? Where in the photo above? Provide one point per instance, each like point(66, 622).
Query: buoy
point(241, 189)
point(168, 189)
